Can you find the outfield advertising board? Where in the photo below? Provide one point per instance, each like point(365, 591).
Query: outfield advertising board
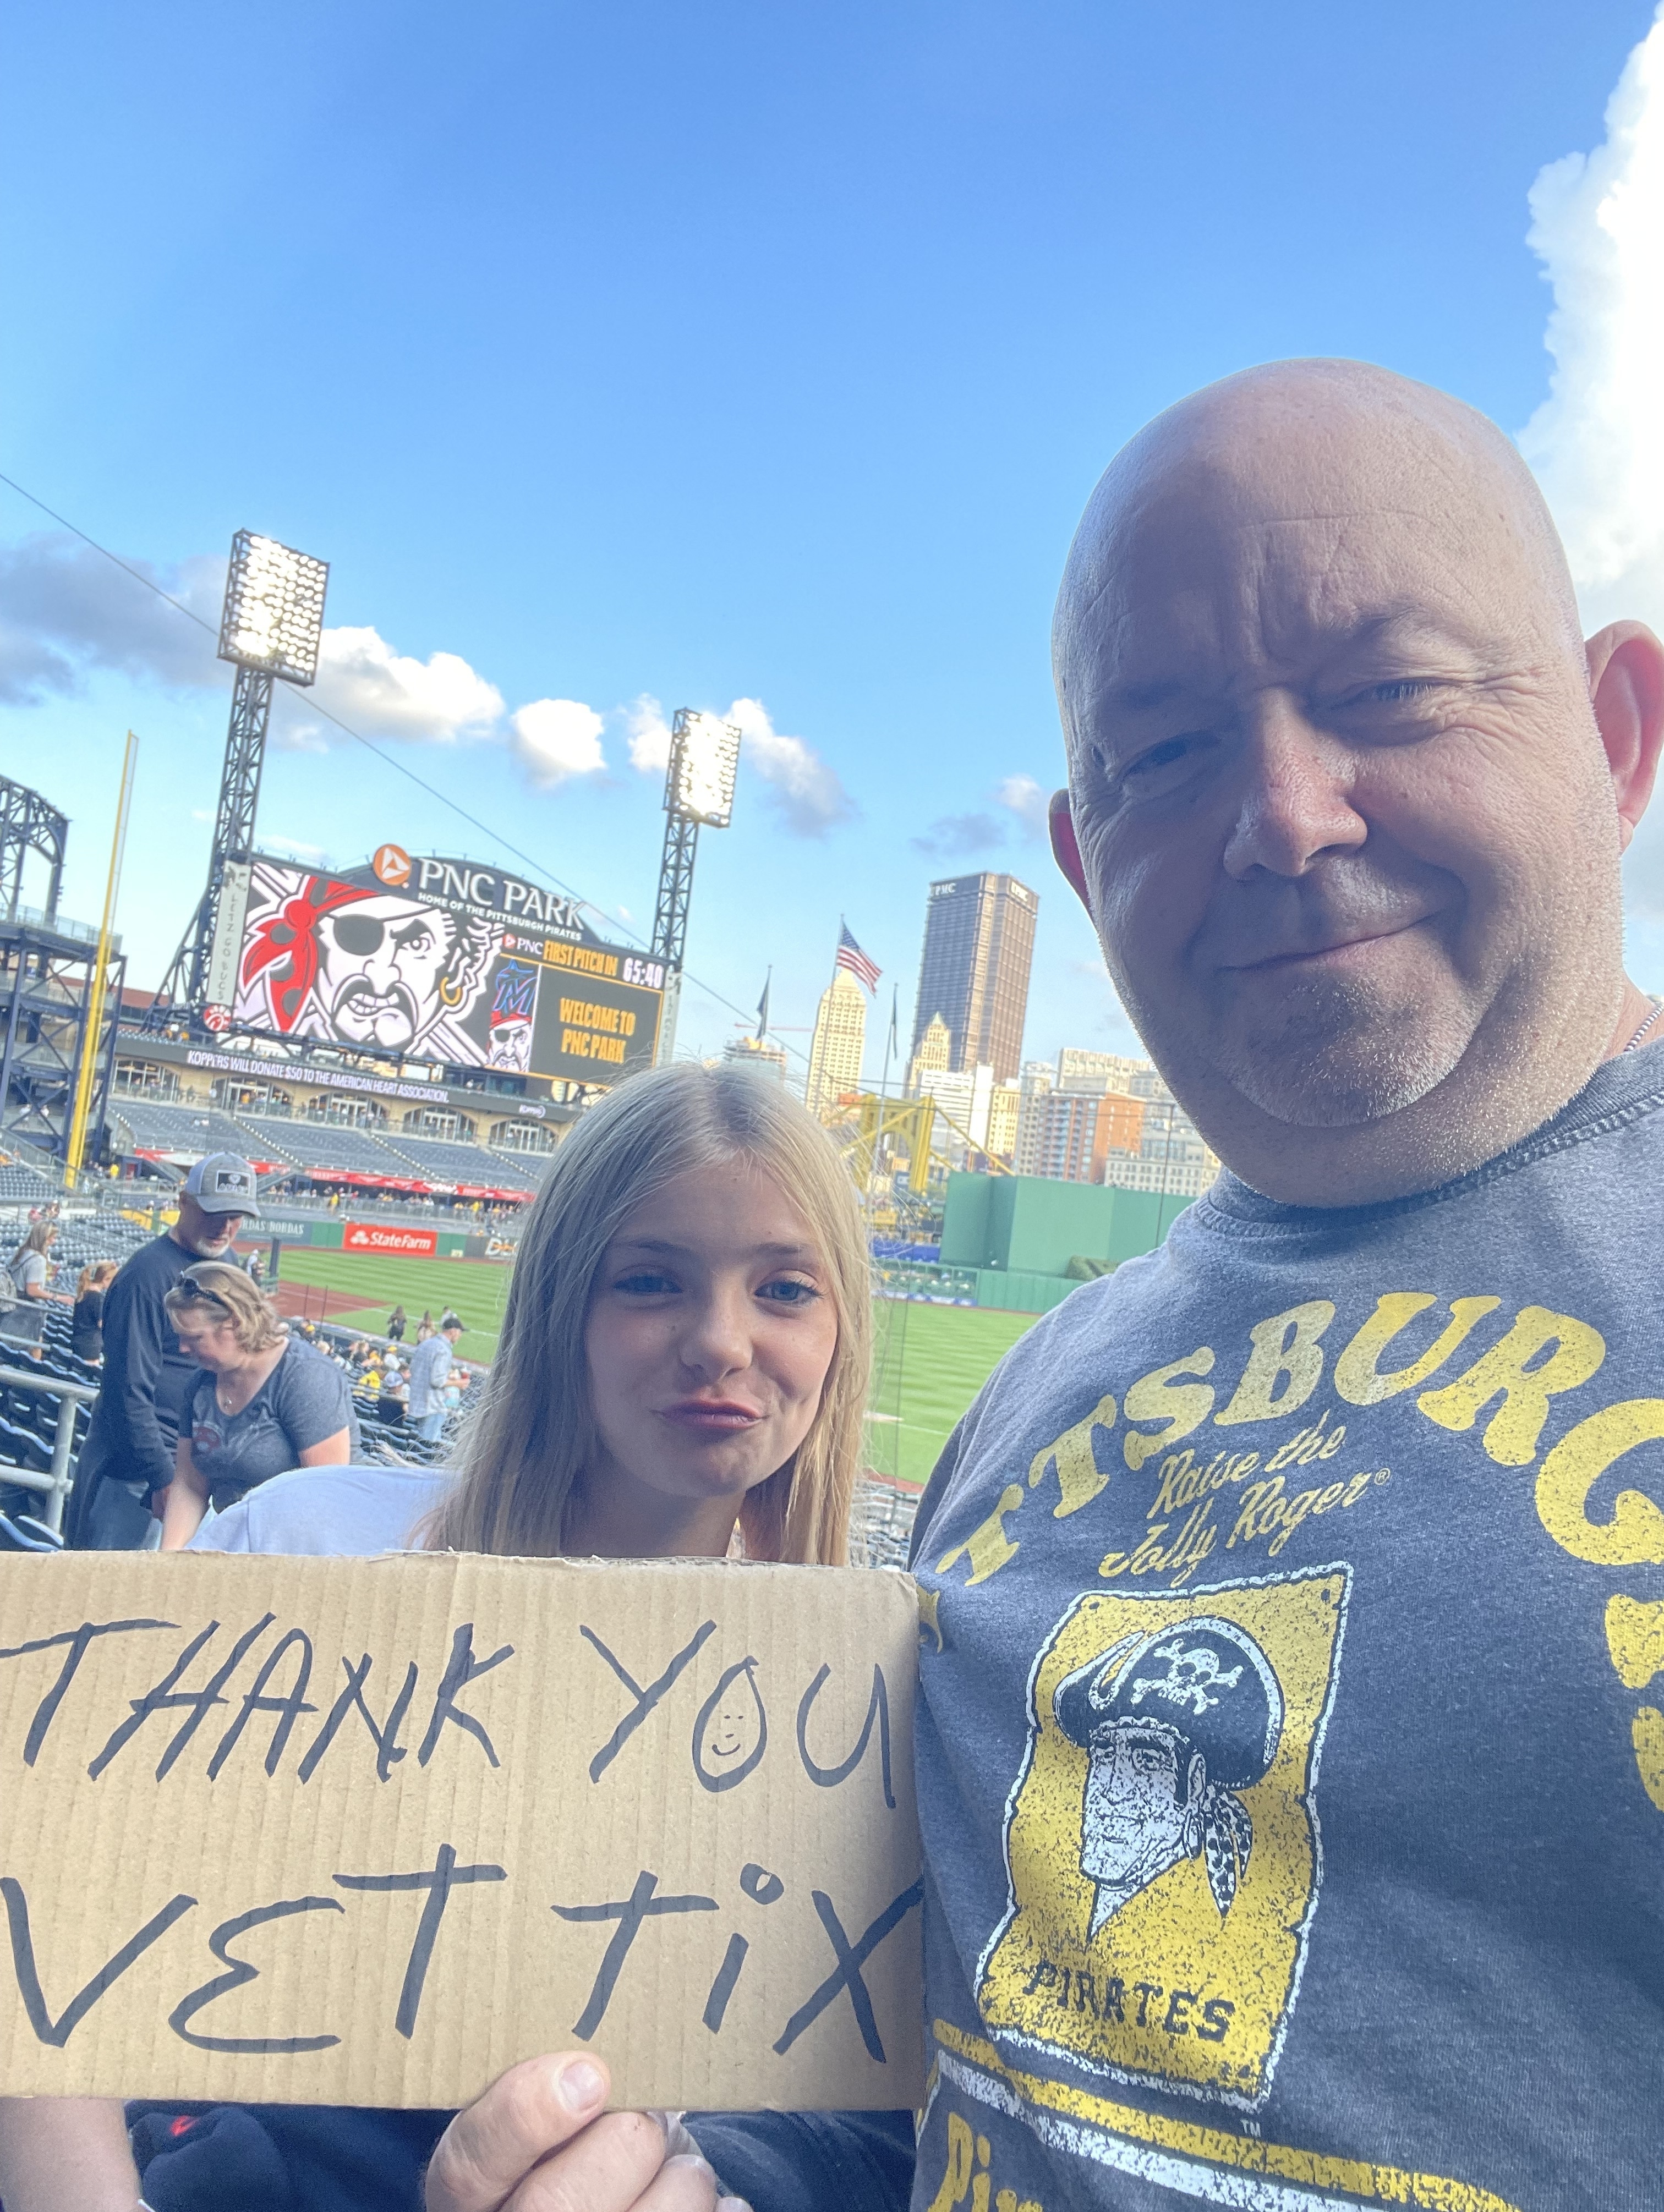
point(443, 960)
point(392, 1239)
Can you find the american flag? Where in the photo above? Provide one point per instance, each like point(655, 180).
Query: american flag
point(850, 954)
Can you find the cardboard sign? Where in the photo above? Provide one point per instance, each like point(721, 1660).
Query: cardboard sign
point(368, 1831)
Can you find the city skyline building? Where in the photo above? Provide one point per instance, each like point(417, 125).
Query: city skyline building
point(1037, 1081)
point(756, 1053)
point(1080, 1070)
point(838, 1043)
point(1004, 1104)
point(1083, 1135)
point(974, 970)
point(963, 1097)
point(931, 1055)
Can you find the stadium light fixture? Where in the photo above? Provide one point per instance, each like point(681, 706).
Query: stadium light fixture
point(273, 617)
point(705, 759)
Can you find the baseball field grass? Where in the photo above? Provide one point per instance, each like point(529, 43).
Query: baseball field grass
point(947, 1353)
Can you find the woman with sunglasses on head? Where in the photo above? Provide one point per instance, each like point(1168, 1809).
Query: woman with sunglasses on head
point(681, 1373)
point(266, 1402)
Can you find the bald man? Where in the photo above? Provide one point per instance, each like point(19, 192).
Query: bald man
point(1290, 1760)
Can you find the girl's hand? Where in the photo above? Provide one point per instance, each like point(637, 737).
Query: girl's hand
point(539, 2140)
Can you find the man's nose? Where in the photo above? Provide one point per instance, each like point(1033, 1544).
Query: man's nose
point(1295, 805)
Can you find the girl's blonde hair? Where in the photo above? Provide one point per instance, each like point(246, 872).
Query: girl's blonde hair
point(534, 1431)
point(217, 1284)
point(95, 1277)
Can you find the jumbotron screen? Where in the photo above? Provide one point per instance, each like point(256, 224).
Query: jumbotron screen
point(445, 961)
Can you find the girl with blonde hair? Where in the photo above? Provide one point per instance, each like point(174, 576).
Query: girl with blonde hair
point(696, 1150)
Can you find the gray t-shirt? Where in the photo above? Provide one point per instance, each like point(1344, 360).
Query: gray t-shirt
point(305, 1400)
point(1290, 1747)
point(327, 1512)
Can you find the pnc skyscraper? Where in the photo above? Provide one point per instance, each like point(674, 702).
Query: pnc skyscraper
point(979, 948)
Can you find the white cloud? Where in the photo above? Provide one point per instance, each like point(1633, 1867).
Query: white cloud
point(385, 694)
point(556, 738)
point(1020, 795)
point(65, 609)
point(1597, 442)
point(806, 792)
point(1021, 803)
point(648, 734)
point(803, 790)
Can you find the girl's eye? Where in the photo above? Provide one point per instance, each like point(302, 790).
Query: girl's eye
point(644, 1283)
point(789, 1293)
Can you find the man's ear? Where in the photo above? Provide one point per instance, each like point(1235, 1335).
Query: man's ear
point(1065, 848)
point(1626, 690)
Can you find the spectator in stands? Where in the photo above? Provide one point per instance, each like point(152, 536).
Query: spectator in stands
point(450, 1318)
point(87, 1323)
point(431, 1370)
point(397, 1324)
point(30, 1270)
point(127, 1461)
point(267, 1402)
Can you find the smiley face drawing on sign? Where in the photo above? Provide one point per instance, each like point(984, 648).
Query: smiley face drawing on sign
point(732, 1731)
point(1162, 1847)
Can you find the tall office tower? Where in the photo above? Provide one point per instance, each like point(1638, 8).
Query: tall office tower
point(978, 947)
point(840, 1037)
point(931, 1055)
point(1096, 1071)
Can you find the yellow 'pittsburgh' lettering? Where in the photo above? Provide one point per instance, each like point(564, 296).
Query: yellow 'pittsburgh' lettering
point(1511, 1435)
point(1634, 1637)
point(1286, 1346)
point(1161, 1397)
point(1079, 1478)
point(1357, 1377)
point(988, 1547)
point(1634, 1536)
point(1647, 1735)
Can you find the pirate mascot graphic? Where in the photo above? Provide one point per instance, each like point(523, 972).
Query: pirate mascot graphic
point(1174, 1723)
point(373, 968)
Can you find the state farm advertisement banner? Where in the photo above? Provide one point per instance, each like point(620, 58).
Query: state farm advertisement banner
point(385, 1237)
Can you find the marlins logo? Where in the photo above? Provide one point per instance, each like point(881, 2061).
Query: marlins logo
point(1161, 1840)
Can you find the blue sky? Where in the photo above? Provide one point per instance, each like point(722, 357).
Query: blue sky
point(701, 356)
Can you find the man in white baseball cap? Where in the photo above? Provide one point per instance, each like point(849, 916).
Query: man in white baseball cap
point(128, 1457)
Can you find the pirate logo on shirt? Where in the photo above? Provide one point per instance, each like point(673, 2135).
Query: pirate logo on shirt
point(1162, 1843)
point(1173, 1724)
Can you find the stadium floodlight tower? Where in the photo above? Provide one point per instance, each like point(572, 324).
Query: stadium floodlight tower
point(698, 788)
point(270, 628)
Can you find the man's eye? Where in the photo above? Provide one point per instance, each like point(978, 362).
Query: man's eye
point(1160, 763)
point(788, 1292)
point(1400, 689)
